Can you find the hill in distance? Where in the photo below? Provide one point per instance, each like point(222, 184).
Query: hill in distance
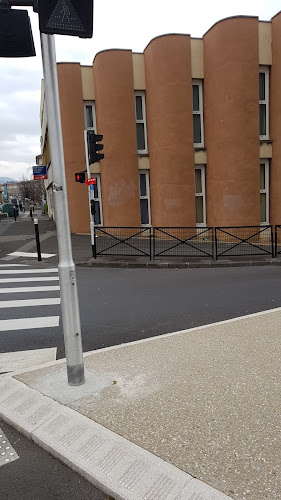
point(3, 180)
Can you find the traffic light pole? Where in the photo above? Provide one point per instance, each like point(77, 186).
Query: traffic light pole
point(92, 218)
point(67, 274)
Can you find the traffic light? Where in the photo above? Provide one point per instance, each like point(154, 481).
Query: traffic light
point(66, 17)
point(93, 147)
point(80, 177)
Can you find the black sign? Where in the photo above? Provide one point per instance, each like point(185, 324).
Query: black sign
point(15, 34)
point(66, 17)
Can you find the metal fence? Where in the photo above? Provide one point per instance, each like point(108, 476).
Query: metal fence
point(243, 241)
point(183, 242)
point(123, 241)
point(187, 242)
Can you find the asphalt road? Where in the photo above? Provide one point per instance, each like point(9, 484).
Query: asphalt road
point(123, 305)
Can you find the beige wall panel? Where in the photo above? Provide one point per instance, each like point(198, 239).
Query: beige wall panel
point(143, 163)
point(72, 120)
point(266, 150)
point(231, 118)
point(88, 89)
point(197, 58)
point(138, 71)
point(200, 157)
point(115, 110)
point(265, 40)
point(95, 168)
point(170, 130)
point(275, 123)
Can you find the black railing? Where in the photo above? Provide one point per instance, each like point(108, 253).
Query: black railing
point(123, 241)
point(277, 240)
point(187, 242)
point(183, 242)
point(244, 241)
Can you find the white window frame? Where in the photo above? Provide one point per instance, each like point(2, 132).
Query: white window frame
point(147, 197)
point(266, 190)
point(203, 193)
point(200, 112)
point(265, 70)
point(141, 93)
point(99, 199)
point(93, 105)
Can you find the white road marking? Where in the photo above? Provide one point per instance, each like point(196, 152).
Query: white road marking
point(29, 289)
point(28, 303)
point(28, 271)
point(32, 254)
point(28, 323)
point(14, 265)
point(20, 360)
point(22, 280)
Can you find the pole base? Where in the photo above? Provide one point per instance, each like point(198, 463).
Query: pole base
point(76, 375)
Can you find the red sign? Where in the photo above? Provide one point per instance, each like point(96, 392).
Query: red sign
point(37, 177)
point(92, 180)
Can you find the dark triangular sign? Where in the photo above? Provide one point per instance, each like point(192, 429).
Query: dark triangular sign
point(66, 17)
point(15, 34)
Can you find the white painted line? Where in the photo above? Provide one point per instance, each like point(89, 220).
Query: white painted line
point(29, 271)
point(28, 303)
point(14, 265)
point(21, 360)
point(22, 280)
point(32, 254)
point(29, 289)
point(28, 323)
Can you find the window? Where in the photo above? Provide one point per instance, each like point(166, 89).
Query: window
point(197, 106)
point(144, 198)
point(95, 194)
point(90, 115)
point(264, 192)
point(140, 122)
point(264, 102)
point(200, 199)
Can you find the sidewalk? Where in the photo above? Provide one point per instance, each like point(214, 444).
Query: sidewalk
point(192, 415)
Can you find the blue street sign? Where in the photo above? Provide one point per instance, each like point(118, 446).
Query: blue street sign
point(40, 170)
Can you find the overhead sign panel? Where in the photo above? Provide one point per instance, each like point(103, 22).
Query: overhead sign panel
point(66, 17)
point(15, 34)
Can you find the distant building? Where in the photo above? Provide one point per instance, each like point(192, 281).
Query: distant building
point(192, 129)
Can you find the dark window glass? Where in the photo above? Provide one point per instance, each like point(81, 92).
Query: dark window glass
point(263, 207)
point(195, 94)
point(143, 185)
point(140, 137)
point(144, 211)
point(139, 114)
point(197, 129)
point(199, 209)
point(89, 117)
point(97, 218)
point(262, 86)
point(96, 190)
point(262, 119)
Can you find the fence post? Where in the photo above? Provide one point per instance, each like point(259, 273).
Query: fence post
point(94, 248)
point(275, 241)
point(214, 243)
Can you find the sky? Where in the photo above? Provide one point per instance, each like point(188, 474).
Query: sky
point(122, 24)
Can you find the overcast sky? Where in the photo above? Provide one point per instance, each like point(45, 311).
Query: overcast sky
point(122, 24)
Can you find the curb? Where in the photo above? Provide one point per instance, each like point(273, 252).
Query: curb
point(113, 464)
point(176, 265)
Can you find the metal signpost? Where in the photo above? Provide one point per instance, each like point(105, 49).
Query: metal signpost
point(69, 17)
point(92, 217)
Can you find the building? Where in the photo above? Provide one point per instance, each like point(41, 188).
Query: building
point(192, 130)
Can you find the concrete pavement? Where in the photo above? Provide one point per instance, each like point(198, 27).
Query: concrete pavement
point(192, 415)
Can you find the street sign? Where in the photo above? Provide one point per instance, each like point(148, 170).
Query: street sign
point(66, 17)
point(15, 33)
point(90, 181)
point(40, 172)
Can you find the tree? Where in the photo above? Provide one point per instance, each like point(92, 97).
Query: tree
point(33, 190)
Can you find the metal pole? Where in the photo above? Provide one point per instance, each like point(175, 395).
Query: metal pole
point(68, 284)
point(92, 219)
point(37, 239)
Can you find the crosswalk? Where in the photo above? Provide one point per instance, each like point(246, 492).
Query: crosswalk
point(29, 303)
